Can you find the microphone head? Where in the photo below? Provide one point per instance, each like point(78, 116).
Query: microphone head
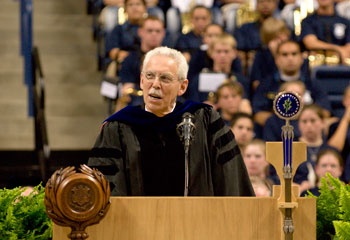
point(188, 116)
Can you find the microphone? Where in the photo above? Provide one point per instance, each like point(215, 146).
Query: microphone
point(186, 129)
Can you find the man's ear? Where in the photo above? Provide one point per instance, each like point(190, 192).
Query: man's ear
point(141, 80)
point(183, 87)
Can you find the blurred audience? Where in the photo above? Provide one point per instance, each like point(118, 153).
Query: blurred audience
point(273, 32)
point(339, 134)
point(311, 126)
point(124, 38)
point(325, 30)
point(289, 61)
point(248, 35)
point(190, 42)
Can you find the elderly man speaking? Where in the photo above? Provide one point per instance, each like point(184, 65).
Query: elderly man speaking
point(141, 154)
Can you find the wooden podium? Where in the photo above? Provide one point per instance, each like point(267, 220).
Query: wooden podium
point(198, 218)
point(206, 218)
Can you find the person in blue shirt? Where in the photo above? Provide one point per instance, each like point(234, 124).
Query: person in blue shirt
point(326, 30)
point(190, 42)
point(223, 51)
point(124, 38)
point(248, 35)
point(152, 33)
point(289, 61)
point(273, 32)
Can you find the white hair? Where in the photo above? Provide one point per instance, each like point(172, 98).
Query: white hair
point(182, 66)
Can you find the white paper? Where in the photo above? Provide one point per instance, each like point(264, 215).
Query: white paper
point(108, 90)
point(209, 82)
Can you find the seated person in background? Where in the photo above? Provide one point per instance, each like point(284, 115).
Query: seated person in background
point(254, 156)
point(311, 127)
point(151, 33)
point(289, 61)
point(109, 16)
point(342, 8)
point(124, 38)
point(326, 30)
point(201, 58)
point(178, 16)
point(154, 10)
point(141, 154)
point(273, 32)
point(229, 100)
point(248, 35)
point(190, 42)
point(223, 52)
point(339, 134)
point(242, 126)
point(328, 161)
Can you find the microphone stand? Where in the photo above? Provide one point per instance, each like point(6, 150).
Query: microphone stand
point(187, 174)
point(185, 130)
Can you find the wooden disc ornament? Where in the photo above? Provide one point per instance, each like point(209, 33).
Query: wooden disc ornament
point(77, 199)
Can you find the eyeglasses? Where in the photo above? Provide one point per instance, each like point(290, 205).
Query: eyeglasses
point(165, 78)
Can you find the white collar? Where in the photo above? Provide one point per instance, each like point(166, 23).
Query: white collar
point(147, 110)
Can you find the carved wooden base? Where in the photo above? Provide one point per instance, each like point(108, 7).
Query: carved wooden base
point(77, 199)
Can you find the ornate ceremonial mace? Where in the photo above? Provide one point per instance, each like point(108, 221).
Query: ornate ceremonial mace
point(287, 106)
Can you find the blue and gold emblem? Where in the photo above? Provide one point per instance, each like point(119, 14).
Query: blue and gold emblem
point(287, 105)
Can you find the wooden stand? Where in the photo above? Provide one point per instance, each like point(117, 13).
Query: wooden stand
point(274, 155)
point(207, 218)
point(198, 218)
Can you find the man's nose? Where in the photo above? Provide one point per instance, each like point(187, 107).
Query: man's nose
point(156, 82)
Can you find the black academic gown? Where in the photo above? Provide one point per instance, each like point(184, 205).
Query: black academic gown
point(216, 165)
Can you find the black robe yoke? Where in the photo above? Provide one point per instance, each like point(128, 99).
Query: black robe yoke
point(216, 165)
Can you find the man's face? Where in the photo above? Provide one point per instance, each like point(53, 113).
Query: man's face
point(160, 85)
point(223, 54)
point(289, 59)
point(200, 19)
point(243, 131)
point(229, 100)
point(328, 163)
point(211, 33)
point(135, 9)
point(152, 33)
point(266, 7)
